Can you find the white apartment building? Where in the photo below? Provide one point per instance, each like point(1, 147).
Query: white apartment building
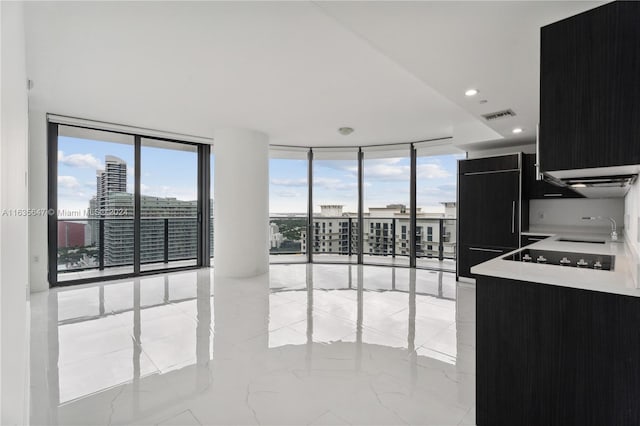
point(386, 231)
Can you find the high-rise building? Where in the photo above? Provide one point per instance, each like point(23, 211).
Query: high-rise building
point(386, 231)
point(71, 234)
point(112, 179)
point(161, 218)
point(168, 226)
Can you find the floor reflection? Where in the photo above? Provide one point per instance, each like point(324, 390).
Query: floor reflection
point(303, 344)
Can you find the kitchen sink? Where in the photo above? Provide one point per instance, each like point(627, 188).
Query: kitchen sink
point(570, 240)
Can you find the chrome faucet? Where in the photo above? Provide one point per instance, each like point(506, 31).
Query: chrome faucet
point(614, 233)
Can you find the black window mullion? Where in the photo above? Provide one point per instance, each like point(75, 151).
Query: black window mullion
point(52, 221)
point(137, 205)
point(360, 207)
point(310, 206)
point(204, 205)
point(413, 208)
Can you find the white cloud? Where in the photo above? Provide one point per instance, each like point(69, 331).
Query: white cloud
point(289, 182)
point(334, 184)
point(387, 172)
point(431, 171)
point(68, 182)
point(87, 161)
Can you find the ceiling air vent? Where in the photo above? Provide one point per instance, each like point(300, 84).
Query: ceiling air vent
point(499, 114)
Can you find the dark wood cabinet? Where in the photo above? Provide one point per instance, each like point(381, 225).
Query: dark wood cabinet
point(488, 164)
point(490, 211)
point(550, 355)
point(469, 256)
point(589, 89)
point(533, 189)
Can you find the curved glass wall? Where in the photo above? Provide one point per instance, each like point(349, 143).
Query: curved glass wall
point(436, 184)
point(370, 185)
point(386, 202)
point(334, 233)
point(288, 192)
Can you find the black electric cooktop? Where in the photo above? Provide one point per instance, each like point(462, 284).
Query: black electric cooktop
point(603, 262)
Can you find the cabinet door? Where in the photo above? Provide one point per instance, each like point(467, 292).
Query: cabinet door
point(589, 89)
point(489, 209)
point(489, 164)
point(470, 256)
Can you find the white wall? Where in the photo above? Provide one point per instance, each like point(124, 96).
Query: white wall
point(241, 223)
point(14, 268)
point(632, 217)
point(569, 211)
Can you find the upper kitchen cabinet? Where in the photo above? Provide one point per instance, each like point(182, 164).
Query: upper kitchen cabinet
point(590, 89)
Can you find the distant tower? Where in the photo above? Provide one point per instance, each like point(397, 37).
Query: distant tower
point(112, 179)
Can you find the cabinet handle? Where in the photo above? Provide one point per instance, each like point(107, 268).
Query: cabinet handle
point(485, 249)
point(553, 195)
point(513, 217)
point(490, 172)
point(536, 239)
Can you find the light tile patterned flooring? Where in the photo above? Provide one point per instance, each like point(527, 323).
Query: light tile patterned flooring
point(304, 344)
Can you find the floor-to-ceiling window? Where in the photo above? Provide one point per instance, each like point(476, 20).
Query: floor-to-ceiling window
point(436, 216)
point(121, 204)
point(95, 187)
point(288, 199)
point(168, 204)
point(335, 205)
point(116, 220)
point(386, 205)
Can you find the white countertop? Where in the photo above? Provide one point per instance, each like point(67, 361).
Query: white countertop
point(622, 280)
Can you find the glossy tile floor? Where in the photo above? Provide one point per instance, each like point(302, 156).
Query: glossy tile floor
point(304, 344)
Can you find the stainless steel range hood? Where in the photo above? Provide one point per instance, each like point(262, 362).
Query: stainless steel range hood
point(605, 182)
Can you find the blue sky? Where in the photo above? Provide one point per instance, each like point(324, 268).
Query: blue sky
point(386, 181)
point(171, 173)
point(164, 172)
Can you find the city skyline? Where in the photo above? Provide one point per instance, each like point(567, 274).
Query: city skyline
point(80, 159)
point(386, 181)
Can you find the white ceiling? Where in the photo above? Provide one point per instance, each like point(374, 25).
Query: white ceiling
point(395, 71)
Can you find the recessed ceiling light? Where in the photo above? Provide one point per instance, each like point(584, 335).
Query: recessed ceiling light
point(483, 101)
point(345, 131)
point(517, 130)
point(471, 92)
